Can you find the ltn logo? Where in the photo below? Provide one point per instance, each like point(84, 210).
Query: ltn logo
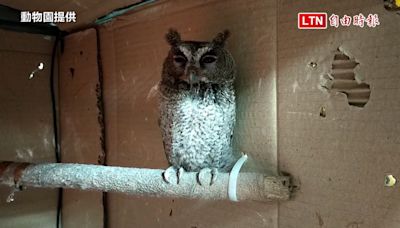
point(314, 20)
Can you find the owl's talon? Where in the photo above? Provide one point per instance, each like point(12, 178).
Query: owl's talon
point(179, 174)
point(172, 171)
point(202, 175)
point(214, 174)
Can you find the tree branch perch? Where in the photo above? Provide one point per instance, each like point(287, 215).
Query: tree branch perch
point(140, 181)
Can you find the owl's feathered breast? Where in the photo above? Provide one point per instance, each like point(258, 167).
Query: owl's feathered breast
point(197, 127)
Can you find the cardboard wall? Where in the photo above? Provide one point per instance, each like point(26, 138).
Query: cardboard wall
point(338, 160)
point(133, 48)
point(26, 124)
point(341, 159)
point(81, 135)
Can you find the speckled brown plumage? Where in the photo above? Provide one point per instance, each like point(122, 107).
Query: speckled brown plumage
point(197, 104)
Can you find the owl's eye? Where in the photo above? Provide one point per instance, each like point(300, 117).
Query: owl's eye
point(209, 59)
point(179, 59)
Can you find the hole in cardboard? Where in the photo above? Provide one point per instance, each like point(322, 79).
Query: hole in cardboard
point(39, 68)
point(313, 65)
point(390, 180)
point(322, 112)
point(344, 80)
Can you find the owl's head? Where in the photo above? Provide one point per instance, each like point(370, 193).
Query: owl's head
point(194, 62)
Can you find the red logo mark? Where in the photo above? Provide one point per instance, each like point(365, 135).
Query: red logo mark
point(312, 20)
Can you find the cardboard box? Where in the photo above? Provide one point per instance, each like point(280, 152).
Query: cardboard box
point(295, 114)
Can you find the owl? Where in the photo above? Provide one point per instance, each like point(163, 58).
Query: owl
point(197, 107)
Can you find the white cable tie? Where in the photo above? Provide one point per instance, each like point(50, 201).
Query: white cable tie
point(233, 176)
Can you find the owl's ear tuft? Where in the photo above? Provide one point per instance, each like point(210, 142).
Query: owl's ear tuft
point(221, 37)
point(173, 37)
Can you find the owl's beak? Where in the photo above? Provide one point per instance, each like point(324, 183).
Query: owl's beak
point(193, 78)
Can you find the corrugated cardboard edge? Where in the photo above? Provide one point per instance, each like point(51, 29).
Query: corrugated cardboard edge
point(81, 132)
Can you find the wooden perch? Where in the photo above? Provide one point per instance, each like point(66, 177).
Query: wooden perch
point(138, 181)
